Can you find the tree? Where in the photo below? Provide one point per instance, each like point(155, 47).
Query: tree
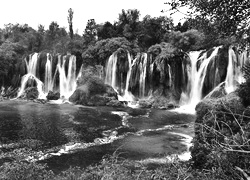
point(90, 32)
point(229, 16)
point(70, 18)
point(128, 23)
point(152, 30)
point(105, 31)
point(186, 41)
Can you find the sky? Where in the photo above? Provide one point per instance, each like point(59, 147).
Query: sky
point(34, 12)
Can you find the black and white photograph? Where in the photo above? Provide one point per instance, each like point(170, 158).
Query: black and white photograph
point(125, 90)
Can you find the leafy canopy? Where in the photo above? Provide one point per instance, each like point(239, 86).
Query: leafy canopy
point(229, 16)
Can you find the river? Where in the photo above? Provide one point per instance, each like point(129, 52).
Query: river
point(64, 135)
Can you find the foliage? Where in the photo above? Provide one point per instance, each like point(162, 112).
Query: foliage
point(115, 167)
point(101, 50)
point(24, 171)
point(222, 136)
point(70, 18)
point(163, 50)
point(187, 41)
point(244, 91)
point(128, 23)
point(227, 16)
point(107, 30)
point(90, 32)
point(152, 30)
point(244, 88)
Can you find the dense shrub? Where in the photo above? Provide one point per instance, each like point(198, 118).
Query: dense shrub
point(24, 171)
point(222, 136)
point(244, 92)
point(99, 53)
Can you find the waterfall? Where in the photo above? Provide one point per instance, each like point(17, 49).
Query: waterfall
point(234, 73)
point(143, 70)
point(128, 96)
point(31, 75)
point(24, 81)
point(111, 70)
point(48, 84)
point(67, 83)
point(32, 64)
point(196, 77)
point(169, 75)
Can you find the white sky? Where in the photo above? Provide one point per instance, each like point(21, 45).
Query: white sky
point(34, 12)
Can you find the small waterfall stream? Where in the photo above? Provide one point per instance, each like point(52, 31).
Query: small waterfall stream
point(111, 70)
point(234, 73)
point(143, 70)
point(48, 84)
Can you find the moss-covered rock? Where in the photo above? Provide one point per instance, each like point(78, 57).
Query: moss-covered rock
point(92, 91)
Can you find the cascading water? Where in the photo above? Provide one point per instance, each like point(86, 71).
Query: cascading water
point(196, 77)
point(169, 75)
point(143, 70)
point(234, 73)
point(32, 64)
point(111, 70)
point(67, 83)
point(127, 94)
point(31, 75)
point(48, 84)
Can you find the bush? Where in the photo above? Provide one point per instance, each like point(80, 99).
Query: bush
point(244, 92)
point(222, 136)
point(99, 53)
point(24, 171)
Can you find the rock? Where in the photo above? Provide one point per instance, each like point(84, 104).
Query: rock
point(115, 103)
point(31, 93)
point(53, 96)
point(92, 91)
point(145, 103)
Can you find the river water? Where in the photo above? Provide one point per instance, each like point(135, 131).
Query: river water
point(70, 135)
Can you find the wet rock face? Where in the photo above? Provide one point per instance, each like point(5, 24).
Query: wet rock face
point(165, 76)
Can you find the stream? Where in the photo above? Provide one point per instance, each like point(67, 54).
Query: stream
point(65, 135)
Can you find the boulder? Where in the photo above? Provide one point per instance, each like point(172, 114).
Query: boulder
point(53, 95)
point(92, 91)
